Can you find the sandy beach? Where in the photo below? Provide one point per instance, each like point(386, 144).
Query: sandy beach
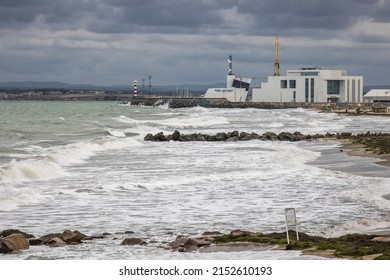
point(355, 149)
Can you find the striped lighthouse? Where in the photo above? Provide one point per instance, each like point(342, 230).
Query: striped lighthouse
point(135, 86)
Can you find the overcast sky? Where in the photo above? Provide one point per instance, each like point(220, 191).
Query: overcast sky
point(108, 42)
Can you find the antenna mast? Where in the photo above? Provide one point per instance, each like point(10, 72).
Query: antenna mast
point(276, 56)
point(230, 72)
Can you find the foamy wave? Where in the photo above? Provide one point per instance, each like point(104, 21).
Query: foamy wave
point(362, 226)
point(30, 170)
point(116, 133)
point(182, 122)
point(51, 163)
point(11, 198)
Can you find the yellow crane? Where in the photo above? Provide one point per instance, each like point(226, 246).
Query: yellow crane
point(276, 56)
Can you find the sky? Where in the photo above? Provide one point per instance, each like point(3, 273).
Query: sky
point(113, 42)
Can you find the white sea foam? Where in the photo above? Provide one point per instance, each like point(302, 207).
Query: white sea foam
point(11, 198)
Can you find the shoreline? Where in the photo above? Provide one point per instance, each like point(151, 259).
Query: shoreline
point(349, 246)
point(360, 150)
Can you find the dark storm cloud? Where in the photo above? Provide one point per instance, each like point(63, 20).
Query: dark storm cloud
point(94, 40)
point(189, 16)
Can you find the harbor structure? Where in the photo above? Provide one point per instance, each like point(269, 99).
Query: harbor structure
point(276, 56)
point(311, 84)
point(236, 87)
point(135, 87)
point(377, 95)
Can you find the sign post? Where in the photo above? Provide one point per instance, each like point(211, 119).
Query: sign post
point(291, 221)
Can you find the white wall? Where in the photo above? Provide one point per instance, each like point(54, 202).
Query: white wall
point(271, 90)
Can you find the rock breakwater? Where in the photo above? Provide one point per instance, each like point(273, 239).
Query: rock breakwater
point(378, 143)
point(229, 136)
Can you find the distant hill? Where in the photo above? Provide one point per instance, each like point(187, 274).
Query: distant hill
point(31, 85)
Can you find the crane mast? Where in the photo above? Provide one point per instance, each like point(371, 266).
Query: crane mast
point(276, 56)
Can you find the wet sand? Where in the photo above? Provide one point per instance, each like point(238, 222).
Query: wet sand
point(355, 149)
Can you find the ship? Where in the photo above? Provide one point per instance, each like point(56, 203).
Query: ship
point(236, 90)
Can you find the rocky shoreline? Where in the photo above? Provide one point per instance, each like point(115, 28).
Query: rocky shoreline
point(375, 142)
point(351, 246)
point(369, 144)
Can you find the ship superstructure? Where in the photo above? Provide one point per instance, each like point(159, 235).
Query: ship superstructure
point(236, 87)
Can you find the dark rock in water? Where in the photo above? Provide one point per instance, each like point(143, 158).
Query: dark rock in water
point(233, 139)
point(200, 137)
point(193, 244)
point(133, 241)
point(269, 136)
point(211, 233)
point(72, 237)
point(186, 138)
point(220, 136)
point(176, 136)
point(56, 242)
point(8, 232)
point(299, 136)
point(13, 242)
point(148, 137)
point(178, 244)
point(159, 137)
point(46, 238)
point(35, 241)
point(95, 236)
point(187, 244)
point(286, 136)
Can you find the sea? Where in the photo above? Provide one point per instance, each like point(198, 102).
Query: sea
point(85, 166)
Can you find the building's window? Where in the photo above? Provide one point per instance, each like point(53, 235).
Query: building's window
point(353, 90)
point(306, 90)
point(293, 83)
point(333, 87)
point(240, 84)
point(309, 73)
point(348, 98)
point(312, 89)
point(294, 96)
point(283, 83)
point(358, 91)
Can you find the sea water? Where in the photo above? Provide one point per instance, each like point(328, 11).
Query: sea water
point(85, 166)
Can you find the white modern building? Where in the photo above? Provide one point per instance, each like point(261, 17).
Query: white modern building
point(311, 85)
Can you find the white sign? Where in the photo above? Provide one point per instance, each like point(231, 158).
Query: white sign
point(291, 221)
point(291, 218)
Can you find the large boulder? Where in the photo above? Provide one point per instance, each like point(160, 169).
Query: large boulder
point(8, 232)
point(148, 137)
point(299, 136)
point(72, 237)
point(47, 237)
point(192, 244)
point(286, 136)
point(187, 244)
point(220, 136)
point(159, 137)
point(269, 136)
point(176, 135)
point(56, 242)
point(133, 241)
point(13, 242)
